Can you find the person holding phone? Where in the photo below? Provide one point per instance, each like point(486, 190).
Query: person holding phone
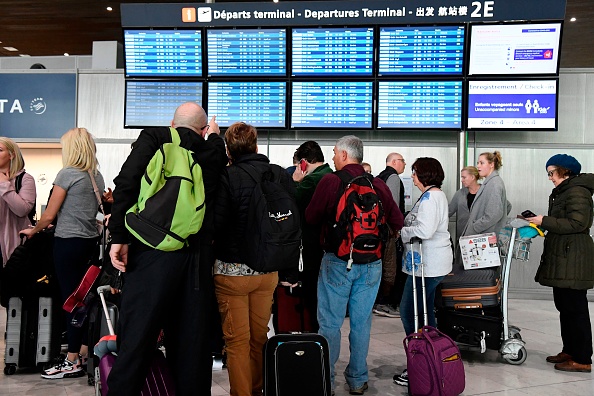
point(310, 171)
point(567, 262)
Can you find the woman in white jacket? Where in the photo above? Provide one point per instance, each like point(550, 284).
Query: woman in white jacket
point(427, 220)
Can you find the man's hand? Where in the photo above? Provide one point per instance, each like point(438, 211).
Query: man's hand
point(213, 126)
point(298, 175)
point(119, 256)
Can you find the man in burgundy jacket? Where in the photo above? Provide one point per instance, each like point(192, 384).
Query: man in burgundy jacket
point(338, 287)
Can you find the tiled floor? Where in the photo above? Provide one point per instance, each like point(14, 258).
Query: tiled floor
point(486, 374)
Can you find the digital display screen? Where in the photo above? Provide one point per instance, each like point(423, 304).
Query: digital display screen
point(261, 104)
point(331, 104)
point(519, 104)
point(152, 103)
point(236, 52)
point(514, 49)
point(323, 51)
point(431, 50)
point(163, 53)
point(420, 104)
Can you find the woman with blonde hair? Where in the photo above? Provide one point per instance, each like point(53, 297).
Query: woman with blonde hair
point(488, 212)
point(17, 196)
point(74, 203)
point(464, 197)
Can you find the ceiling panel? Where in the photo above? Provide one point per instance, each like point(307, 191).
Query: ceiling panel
point(53, 27)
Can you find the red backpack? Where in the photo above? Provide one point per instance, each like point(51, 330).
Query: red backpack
point(359, 228)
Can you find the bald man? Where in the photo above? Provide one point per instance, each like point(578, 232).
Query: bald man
point(393, 279)
point(172, 291)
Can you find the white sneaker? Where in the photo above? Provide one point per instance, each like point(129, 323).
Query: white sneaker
point(401, 379)
point(65, 369)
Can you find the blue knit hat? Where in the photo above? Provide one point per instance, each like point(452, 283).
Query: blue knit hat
point(565, 161)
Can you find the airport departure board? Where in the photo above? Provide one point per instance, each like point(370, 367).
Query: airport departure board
point(236, 52)
point(261, 104)
point(428, 50)
point(162, 53)
point(420, 104)
point(331, 104)
point(323, 51)
point(152, 103)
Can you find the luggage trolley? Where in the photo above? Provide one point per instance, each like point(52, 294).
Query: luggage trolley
point(488, 327)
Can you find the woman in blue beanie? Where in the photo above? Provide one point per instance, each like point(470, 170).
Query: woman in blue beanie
point(567, 262)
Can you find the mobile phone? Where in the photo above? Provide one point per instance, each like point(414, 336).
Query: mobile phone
point(303, 165)
point(528, 213)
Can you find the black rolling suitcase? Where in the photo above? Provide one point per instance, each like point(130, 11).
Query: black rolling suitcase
point(297, 365)
point(33, 333)
point(477, 288)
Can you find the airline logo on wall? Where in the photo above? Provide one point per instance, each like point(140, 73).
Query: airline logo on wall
point(36, 106)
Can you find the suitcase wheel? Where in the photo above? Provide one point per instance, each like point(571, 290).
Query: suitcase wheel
point(10, 369)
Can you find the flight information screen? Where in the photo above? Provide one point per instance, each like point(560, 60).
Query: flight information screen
point(163, 53)
point(331, 104)
point(517, 104)
point(236, 52)
point(429, 50)
point(261, 104)
point(323, 51)
point(152, 103)
point(514, 49)
point(420, 104)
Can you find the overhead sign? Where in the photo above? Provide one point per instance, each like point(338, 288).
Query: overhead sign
point(307, 13)
point(37, 106)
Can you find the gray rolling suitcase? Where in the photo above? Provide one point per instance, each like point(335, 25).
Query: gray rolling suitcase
point(32, 333)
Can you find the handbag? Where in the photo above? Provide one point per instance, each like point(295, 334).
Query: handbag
point(77, 298)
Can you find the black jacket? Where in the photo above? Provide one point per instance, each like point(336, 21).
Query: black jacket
point(568, 257)
point(210, 155)
point(232, 204)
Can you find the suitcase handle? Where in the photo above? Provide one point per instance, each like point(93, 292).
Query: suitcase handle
point(101, 290)
point(466, 298)
point(412, 242)
point(467, 306)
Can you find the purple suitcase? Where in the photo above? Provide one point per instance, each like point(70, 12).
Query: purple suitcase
point(434, 363)
point(158, 381)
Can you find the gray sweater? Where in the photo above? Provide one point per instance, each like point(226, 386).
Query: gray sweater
point(489, 210)
point(459, 206)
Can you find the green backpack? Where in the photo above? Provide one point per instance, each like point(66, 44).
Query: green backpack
point(170, 205)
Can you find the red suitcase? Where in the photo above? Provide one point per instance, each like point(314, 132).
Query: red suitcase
point(292, 314)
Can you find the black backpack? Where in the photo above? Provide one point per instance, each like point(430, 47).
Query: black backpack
point(272, 239)
point(18, 183)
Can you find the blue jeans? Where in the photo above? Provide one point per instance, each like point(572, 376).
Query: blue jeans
point(355, 289)
point(407, 313)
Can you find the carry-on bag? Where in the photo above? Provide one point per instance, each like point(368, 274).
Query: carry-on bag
point(296, 365)
point(32, 333)
point(292, 314)
point(434, 363)
point(158, 380)
point(98, 328)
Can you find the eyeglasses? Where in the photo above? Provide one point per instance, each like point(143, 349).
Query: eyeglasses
point(401, 159)
point(207, 126)
point(551, 172)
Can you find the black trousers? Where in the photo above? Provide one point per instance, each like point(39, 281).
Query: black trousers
point(576, 330)
point(159, 293)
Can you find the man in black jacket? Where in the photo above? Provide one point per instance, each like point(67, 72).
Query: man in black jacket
point(166, 290)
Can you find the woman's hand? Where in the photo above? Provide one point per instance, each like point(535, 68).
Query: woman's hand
point(28, 232)
point(535, 220)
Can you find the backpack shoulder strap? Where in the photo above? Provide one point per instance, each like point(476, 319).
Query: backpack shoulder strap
point(250, 170)
point(18, 182)
point(175, 139)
